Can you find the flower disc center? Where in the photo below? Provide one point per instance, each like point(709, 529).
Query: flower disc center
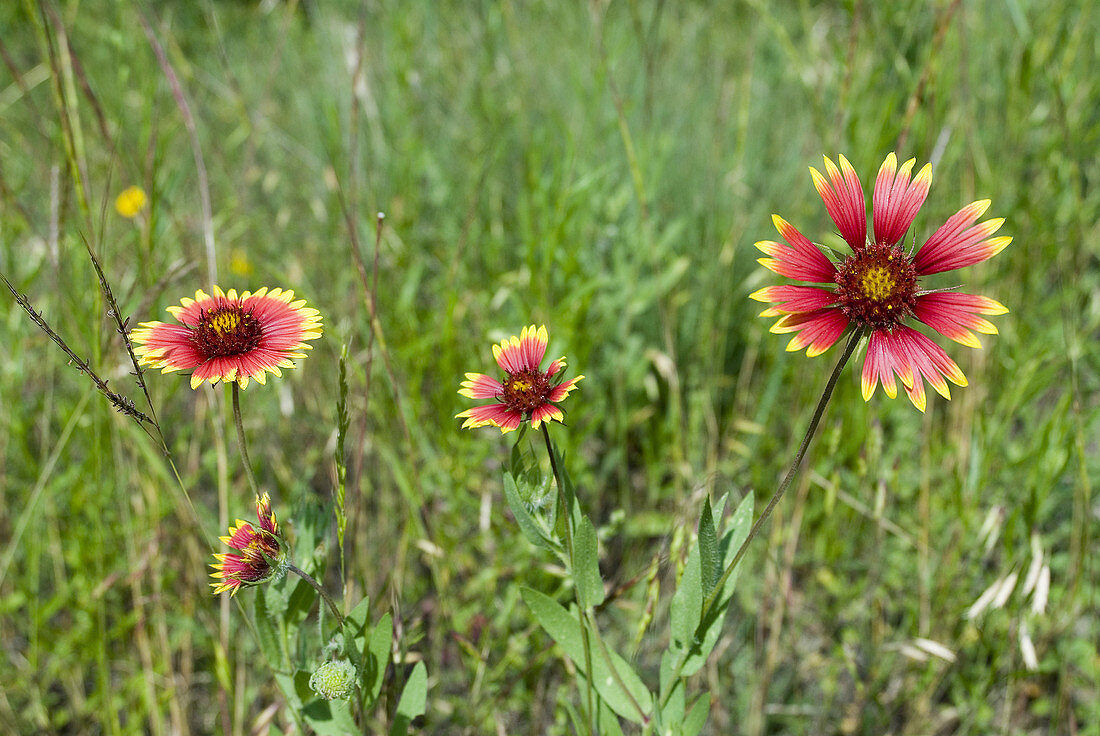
point(226, 330)
point(525, 390)
point(877, 286)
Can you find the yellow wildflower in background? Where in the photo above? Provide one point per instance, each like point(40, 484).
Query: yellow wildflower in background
point(131, 202)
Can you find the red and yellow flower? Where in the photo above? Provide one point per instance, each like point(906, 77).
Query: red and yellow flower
point(226, 337)
point(877, 287)
point(525, 392)
point(263, 552)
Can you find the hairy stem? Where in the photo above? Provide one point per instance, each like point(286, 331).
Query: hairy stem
point(241, 440)
point(317, 586)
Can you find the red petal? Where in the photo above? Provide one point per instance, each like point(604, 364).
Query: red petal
point(480, 386)
point(954, 315)
point(896, 200)
point(794, 299)
point(818, 330)
point(803, 260)
point(957, 245)
point(843, 197)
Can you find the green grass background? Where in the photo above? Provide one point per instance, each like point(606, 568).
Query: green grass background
point(604, 169)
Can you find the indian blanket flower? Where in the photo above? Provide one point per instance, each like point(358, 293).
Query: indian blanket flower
point(226, 337)
point(263, 552)
point(877, 288)
point(525, 392)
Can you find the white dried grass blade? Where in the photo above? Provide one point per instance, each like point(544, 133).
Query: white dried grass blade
point(935, 649)
point(1008, 584)
point(991, 527)
point(1027, 649)
point(1033, 571)
point(913, 652)
point(1042, 590)
point(978, 607)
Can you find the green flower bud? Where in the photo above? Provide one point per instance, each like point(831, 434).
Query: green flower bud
point(333, 680)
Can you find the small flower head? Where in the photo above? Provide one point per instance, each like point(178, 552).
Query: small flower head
point(877, 287)
point(263, 552)
point(333, 680)
point(130, 202)
point(525, 392)
point(225, 337)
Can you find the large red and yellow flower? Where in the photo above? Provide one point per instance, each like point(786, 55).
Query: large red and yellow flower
point(226, 337)
point(877, 287)
point(525, 392)
point(263, 552)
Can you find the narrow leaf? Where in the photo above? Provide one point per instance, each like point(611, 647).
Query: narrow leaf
point(566, 631)
point(526, 522)
point(381, 639)
point(711, 567)
point(671, 692)
point(267, 632)
point(330, 717)
point(707, 637)
point(697, 716)
point(413, 702)
point(586, 572)
point(687, 604)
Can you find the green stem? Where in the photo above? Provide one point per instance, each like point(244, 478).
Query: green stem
point(567, 509)
point(241, 440)
point(317, 586)
point(822, 403)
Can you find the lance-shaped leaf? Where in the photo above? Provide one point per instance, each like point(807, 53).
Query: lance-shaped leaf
point(635, 702)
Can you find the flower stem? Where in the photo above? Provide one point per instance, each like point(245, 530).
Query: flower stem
point(567, 508)
point(241, 440)
point(823, 402)
point(791, 472)
point(317, 586)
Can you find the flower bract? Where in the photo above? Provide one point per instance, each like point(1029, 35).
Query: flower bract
point(263, 552)
point(226, 337)
point(525, 392)
point(877, 288)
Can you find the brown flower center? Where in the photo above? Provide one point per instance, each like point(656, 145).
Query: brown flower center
point(525, 390)
point(877, 286)
point(226, 330)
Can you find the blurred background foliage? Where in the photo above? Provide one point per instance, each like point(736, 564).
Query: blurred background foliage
point(602, 168)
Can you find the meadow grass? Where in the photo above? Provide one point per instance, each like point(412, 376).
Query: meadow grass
point(603, 169)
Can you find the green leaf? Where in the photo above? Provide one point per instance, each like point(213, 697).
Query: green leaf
point(380, 640)
point(267, 632)
point(330, 717)
point(586, 571)
point(566, 631)
point(567, 489)
point(527, 524)
point(356, 620)
point(708, 550)
point(737, 530)
point(287, 687)
point(686, 609)
point(690, 633)
point(671, 692)
point(356, 631)
point(711, 629)
point(300, 601)
point(414, 699)
point(697, 716)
